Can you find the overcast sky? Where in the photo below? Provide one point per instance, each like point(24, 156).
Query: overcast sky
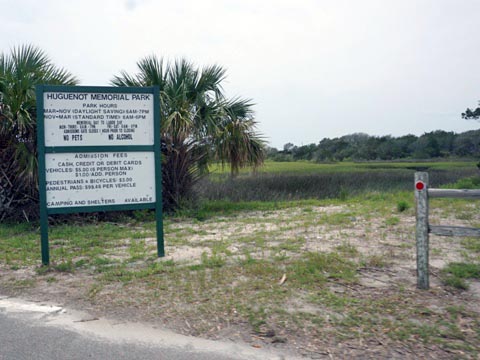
point(314, 68)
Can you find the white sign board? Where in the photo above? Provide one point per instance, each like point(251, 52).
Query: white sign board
point(93, 119)
point(103, 178)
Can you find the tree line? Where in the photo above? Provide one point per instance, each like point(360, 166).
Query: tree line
point(363, 147)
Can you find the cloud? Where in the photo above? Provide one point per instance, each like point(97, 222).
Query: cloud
point(314, 68)
point(132, 5)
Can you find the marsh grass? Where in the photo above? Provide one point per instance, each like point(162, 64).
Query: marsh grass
point(322, 184)
point(307, 167)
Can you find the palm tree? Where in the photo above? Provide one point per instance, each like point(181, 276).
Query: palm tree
point(20, 70)
point(199, 125)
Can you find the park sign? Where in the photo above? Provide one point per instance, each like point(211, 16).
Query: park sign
point(98, 150)
point(98, 119)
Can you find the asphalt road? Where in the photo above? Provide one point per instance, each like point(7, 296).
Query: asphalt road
point(31, 331)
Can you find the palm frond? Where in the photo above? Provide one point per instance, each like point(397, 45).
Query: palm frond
point(198, 122)
point(20, 71)
point(211, 80)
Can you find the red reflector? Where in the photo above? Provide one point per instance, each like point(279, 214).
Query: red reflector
point(420, 185)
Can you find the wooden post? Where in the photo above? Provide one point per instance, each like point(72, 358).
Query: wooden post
point(421, 201)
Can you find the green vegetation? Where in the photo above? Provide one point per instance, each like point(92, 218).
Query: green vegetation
point(199, 124)
point(437, 144)
point(308, 167)
point(301, 248)
point(321, 253)
point(456, 273)
point(470, 114)
point(305, 180)
point(402, 206)
point(472, 182)
point(20, 70)
point(297, 268)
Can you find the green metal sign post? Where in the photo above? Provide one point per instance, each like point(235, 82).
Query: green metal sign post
point(98, 150)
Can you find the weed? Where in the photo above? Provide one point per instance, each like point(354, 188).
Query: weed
point(391, 221)
point(66, 266)
point(260, 269)
point(402, 206)
point(337, 218)
point(23, 283)
point(463, 270)
point(472, 244)
point(80, 263)
point(455, 281)
point(343, 194)
point(454, 274)
point(316, 268)
point(94, 290)
point(256, 317)
point(347, 249)
point(212, 261)
point(248, 260)
point(137, 249)
point(376, 261)
point(101, 261)
point(456, 311)
point(337, 302)
point(464, 215)
point(291, 245)
point(144, 215)
point(102, 264)
point(42, 270)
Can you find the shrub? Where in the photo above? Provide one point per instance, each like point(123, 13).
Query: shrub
point(472, 182)
point(402, 205)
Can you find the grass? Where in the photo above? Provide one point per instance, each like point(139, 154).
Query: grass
point(317, 268)
point(305, 180)
point(296, 267)
point(454, 274)
point(402, 206)
point(471, 244)
point(472, 182)
point(224, 288)
point(392, 221)
point(306, 167)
